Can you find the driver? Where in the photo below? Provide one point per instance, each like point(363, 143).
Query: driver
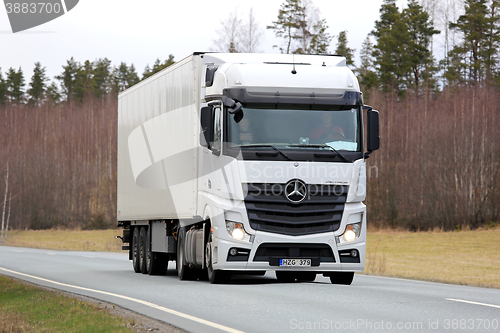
point(246, 136)
point(327, 130)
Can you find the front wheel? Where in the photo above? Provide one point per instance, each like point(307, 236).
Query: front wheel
point(183, 271)
point(342, 278)
point(214, 276)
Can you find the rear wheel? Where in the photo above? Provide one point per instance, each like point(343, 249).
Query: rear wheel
point(135, 250)
point(156, 263)
point(142, 250)
point(214, 276)
point(342, 278)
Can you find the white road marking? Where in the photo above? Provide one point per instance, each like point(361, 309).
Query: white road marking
point(476, 303)
point(155, 306)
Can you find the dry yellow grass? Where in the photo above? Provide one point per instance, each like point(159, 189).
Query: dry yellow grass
point(463, 257)
point(73, 240)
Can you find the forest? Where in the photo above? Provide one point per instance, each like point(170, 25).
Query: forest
point(439, 162)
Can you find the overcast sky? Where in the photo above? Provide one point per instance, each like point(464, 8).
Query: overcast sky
point(139, 32)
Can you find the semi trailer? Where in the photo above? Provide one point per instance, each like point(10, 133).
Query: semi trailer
point(246, 163)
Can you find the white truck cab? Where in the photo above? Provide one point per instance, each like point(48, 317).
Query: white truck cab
point(246, 163)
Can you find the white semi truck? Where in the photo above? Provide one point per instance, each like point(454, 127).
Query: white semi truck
point(246, 163)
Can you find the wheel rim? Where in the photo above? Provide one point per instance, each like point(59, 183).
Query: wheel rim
point(208, 255)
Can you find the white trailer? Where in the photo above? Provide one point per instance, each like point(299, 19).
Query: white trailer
point(245, 163)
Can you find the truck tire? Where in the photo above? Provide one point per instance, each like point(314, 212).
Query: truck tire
point(142, 250)
point(184, 272)
point(214, 276)
point(342, 278)
point(156, 263)
point(135, 250)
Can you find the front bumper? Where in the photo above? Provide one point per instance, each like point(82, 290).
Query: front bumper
point(256, 262)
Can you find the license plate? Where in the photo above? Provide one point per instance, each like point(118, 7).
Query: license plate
point(295, 262)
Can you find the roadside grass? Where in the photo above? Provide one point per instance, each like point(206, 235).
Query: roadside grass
point(25, 308)
point(71, 240)
point(459, 257)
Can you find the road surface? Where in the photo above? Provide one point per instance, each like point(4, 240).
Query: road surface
point(261, 304)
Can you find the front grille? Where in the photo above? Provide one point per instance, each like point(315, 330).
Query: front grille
point(269, 210)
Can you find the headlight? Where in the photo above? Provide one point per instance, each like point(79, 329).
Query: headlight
point(237, 231)
point(352, 232)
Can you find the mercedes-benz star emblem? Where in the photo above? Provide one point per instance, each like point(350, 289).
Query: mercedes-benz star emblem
point(295, 190)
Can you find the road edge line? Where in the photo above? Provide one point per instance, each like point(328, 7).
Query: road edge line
point(152, 305)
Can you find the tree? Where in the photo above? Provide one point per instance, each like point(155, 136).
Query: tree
point(390, 53)
point(286, 23)
point(124, 77)
point(479, 27)
point(298, 21)
point(420, 31)
point(250, 35)
point(38, 84)
point(101, 76)
point(84, 81)
point(15, 85)
point(367, 76)
point(3, 89)
point(343, 49)
point(53, 93)
point(158, 66)
point(229, 34)
point(321, 38)
point(68, 77)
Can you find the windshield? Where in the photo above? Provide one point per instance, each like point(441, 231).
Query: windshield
point(290, 128)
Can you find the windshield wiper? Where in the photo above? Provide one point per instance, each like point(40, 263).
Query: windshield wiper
point(323, 146)
point(267, 146)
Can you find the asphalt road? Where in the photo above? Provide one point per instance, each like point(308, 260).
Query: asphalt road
point(261, 304)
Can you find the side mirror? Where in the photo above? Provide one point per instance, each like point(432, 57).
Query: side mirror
point(209, 75)
point(206, 126)
point(373, 136)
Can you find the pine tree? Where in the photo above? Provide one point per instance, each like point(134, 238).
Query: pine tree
point(38, 84)
point(68, 77)
point(15, 85)
point(321, 38)
point(84, 81)
point(101, 75)
point(53, 93)
point(287, 22)
point(420, 30)
point(474, 25)
point(157, 66)
point(391, 56)
point(367, 76)
point(124, 77)
point(343, 49)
